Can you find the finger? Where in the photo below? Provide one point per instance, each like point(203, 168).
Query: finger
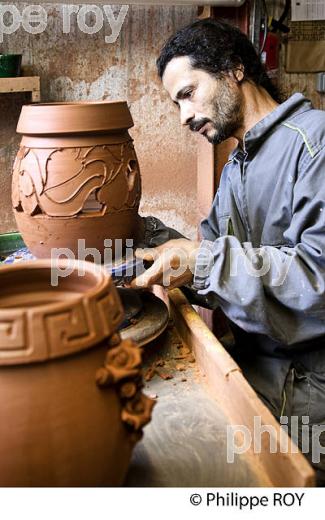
point(150, 277)
point(180, 281)
point(145, 282)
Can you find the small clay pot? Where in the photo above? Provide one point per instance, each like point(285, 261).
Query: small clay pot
point(71, 402)
point(76, 176)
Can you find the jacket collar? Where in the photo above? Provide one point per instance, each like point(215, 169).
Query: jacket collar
point(295, 104)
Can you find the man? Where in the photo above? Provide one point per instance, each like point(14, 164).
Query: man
point(263, 259)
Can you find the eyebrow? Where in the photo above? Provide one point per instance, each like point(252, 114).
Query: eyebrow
point(182, 93)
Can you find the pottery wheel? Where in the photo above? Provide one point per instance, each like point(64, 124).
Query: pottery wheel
point(146, 315)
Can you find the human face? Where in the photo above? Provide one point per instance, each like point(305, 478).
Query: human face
point(208, 105)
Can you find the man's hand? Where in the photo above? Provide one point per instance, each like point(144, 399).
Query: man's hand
point(173, 264)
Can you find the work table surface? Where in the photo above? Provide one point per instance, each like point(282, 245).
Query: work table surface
point(185, 443)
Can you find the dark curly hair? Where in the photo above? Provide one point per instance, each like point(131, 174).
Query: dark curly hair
point(217, 47)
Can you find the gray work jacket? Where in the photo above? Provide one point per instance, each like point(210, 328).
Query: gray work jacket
point(266, 229)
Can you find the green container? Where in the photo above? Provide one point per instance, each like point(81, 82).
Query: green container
point(10, 65)
point(10, 243)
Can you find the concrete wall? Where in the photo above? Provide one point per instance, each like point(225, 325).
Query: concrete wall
point(78, 66)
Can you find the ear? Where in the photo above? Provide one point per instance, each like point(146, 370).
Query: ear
point(239, 73)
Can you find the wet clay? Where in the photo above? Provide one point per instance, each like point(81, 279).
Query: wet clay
point(72, 408)
point(76, 176)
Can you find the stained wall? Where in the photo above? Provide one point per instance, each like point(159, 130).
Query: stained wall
point(78, 66)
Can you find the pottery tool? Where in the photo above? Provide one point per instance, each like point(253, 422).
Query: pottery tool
point(128, 271)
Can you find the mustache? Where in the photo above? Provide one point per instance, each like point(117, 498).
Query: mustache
point(195, 126)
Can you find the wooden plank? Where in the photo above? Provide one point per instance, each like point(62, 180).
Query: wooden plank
point(238, 400)
point(21, 84)
point(36, 96)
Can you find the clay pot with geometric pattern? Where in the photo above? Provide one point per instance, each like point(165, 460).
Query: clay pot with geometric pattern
point(76, 177)
point(71, 403)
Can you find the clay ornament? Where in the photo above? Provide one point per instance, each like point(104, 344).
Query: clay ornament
point(76, 176)
point(72, 406)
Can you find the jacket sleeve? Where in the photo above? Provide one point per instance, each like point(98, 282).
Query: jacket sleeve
point(278, 291)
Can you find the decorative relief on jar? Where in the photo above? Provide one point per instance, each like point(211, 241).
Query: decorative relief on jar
point(69, 182)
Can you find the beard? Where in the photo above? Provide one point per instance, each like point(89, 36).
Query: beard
point(226, 119)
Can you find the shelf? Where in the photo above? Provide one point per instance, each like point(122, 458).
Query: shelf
point(22, 84)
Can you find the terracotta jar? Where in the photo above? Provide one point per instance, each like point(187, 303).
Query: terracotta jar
point(71, 402)
point(76, 176)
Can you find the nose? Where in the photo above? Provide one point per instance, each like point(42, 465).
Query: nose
point(187, 114)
